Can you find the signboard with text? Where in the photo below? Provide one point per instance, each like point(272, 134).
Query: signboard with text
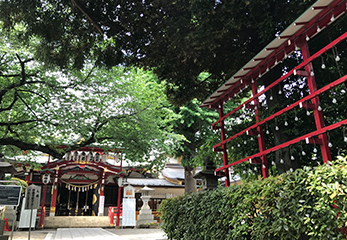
point(129, 212)
point(10, 195)
point(129, 191)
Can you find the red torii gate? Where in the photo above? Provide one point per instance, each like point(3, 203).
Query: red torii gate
point(294, 38)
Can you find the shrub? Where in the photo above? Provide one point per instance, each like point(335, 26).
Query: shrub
point(309, 203)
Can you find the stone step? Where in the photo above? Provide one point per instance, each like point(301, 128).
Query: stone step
point(76, 221)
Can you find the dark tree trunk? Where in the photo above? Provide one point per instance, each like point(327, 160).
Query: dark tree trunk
point(189, 181)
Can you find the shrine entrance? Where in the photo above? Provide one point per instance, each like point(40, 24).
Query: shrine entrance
point(74, 203)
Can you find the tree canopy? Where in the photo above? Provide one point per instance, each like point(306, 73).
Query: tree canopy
point(194, 124)
point(180, 39)
point(117, 108)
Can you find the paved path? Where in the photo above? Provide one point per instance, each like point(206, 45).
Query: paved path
point(84, 234)
point(91, 233)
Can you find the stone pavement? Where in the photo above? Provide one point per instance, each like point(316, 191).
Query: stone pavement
point(91, 233)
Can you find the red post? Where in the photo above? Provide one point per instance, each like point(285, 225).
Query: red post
point(224, 147)
point(27, 175)
point(261, 140)
point(318, 116)
point(54, 200)
point(54, 193)
point(118, 205)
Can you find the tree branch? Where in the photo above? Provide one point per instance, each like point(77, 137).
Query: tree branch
point(18, 123)
point(28, 106)
point(38, 94)
point(22, 74)
point(74, 3)
point(30, 146)
point(11, 105)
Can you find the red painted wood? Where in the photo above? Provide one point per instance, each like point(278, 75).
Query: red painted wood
point(224, 149)
point(286, 144)
point(261, 140)
point(286, 109)
point(318, 115)
point(291, 72)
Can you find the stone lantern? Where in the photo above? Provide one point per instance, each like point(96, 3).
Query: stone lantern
point(145, 215)
point(208, 178)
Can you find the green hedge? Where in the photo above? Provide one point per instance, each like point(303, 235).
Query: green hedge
point(296, 205)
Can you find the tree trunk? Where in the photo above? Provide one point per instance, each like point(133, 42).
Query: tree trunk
point(189, 181)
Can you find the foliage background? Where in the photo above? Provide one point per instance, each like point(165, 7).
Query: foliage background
point(303, 204)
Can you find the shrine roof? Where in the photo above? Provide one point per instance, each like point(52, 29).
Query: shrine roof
point(153, 182)
point(7, 167)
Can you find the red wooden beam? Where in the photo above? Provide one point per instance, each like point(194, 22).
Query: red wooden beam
point(318, 115)
point(286, 144)
point(307, 105)
point(300, 73)
point(314, 141)
point(297, 103)
point(291, 72)
point(224, 149)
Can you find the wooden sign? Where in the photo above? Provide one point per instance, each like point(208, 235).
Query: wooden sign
point(129, 192)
